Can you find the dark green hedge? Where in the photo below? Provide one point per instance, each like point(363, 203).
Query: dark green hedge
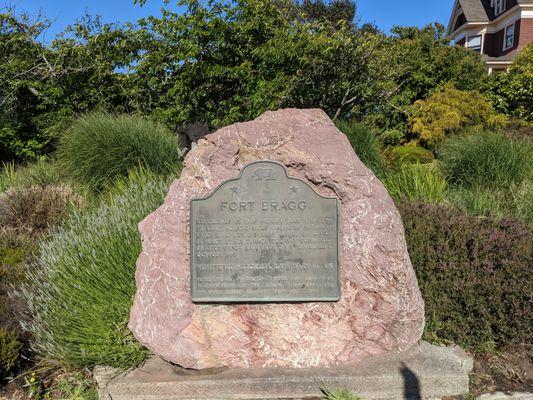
point(474, 274)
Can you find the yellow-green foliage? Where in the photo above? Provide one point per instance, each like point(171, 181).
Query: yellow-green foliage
point(449, 112)
point(409, 155)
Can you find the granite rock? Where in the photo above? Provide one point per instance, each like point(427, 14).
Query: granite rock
point(380, 311)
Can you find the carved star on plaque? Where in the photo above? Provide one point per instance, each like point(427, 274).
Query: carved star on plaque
point(234, 189)
point(293, 189)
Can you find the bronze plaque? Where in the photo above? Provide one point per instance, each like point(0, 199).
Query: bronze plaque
point(264, 237)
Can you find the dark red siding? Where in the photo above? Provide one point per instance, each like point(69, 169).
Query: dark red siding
point(493, 46)
point(526, 33)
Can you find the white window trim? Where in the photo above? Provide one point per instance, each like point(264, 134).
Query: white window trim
point(482, 40)
point(505, 47)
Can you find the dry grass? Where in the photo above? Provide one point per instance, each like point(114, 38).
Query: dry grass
point(36, 208)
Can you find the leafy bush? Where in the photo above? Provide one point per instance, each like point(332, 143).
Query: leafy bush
point(487, 159)
point(36, 208)
point(409, 155)
point(474, 274)
point(79, 291)
point(364, 143)
point(417, 182)
point(512, 92)
point(100, 148)
point(392, 137)
point(449, 112)
point(10, 352)
point(421, 61)
point(18, 142)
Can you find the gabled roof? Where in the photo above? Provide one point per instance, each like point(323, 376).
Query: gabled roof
point(477, 10)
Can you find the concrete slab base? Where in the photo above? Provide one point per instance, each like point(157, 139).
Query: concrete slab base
point(423, 372)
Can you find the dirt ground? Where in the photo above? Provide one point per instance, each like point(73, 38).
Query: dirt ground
point(507, 372)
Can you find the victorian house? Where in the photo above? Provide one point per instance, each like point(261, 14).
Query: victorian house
point(498, 29)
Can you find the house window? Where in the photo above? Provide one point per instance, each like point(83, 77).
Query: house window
point(474, 43)
point(508, 40)
point(498, 5)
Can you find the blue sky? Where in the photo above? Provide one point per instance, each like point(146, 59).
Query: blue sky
point(384, 13)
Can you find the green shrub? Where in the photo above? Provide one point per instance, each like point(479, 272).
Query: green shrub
point(512, 92)
point(392, 137)
point(365, 144)
point(83, 281)
point(10, 352)
point(474, 274)
point(100, 148)
point(409, 155)
point(449, 112)
point(486, 159)
point(420, 182)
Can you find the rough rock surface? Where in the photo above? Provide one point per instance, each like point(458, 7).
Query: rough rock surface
point(381, 309)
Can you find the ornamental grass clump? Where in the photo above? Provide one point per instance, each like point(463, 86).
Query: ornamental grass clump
point(100, 148)
point(80, 289)
point(416, 182)
point(487, 159)
point(514, 201)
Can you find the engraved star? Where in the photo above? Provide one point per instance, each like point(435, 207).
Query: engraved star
point(293, 189)
point(234, 189)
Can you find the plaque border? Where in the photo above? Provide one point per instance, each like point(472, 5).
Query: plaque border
point(220, 300)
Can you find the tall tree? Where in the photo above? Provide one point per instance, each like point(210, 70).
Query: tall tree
point(423, 61)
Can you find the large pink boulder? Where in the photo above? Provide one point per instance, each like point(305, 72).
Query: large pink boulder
point(380, 310)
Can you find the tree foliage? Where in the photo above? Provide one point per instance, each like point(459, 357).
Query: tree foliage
point(45, 86)
point(423, 62)
point(231, 61)
point(218, 62)
point(512, 92)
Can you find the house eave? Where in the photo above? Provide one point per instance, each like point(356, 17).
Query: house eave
point(451, 35)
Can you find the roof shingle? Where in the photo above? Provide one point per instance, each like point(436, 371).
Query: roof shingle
point(477, 10)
